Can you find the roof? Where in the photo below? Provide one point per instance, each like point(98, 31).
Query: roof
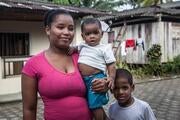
point(151, 13)
point(37, 7)
point(171, 5)
point(144, 11)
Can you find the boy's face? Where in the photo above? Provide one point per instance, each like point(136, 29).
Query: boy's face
point(122, 92)
point(92, 34)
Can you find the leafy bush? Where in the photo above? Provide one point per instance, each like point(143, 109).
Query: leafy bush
point(154, 67)
point(137, 71)
point(154, 53)
point(154, 58)
point(172, 67)
point(177, 64)
point(167, 67)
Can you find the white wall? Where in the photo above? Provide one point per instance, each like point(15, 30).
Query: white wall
point(152, 33)
point(165, 39)
point(38, 42)
point(77, 37)
point(38, 39)
point(175, 30)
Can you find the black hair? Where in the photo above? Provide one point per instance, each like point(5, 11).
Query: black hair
point(90, 21)
point(51, 14)
point(123, 73)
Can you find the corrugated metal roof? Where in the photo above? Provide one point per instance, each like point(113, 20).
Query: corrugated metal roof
point(171, 5)
point(35, 5)
point(144, 11)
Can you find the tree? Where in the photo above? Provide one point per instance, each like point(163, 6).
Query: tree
point(64, 2)
point(145, 3)
point(108, 4)
point(98, 4)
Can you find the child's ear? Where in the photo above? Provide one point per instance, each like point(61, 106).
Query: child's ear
point(133, 87)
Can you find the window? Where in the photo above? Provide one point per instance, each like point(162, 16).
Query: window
point(14, 44)
point(14, 49)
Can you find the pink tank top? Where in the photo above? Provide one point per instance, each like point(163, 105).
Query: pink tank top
point(63, 94)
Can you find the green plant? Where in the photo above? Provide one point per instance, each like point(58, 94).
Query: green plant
point(172, 67)
point(154, 53)
point(154, 59)
point(167, 68)
point(177, 64)
point(137, 71)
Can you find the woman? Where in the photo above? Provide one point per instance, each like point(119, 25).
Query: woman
point(55, 75)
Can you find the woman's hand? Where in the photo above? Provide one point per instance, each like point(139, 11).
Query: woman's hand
point(72, 50)
point(100, 85)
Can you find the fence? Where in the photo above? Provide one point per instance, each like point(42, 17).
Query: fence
point(12, 65)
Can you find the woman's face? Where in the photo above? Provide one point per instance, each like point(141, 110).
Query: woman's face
point(61, 31)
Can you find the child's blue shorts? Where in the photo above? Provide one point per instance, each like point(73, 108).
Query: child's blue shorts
point(95, 100)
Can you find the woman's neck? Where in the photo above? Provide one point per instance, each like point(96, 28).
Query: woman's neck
point(57, 51)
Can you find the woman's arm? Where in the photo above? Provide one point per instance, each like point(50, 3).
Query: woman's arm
point(29, 97)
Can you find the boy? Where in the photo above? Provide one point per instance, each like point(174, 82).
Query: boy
point(94, 59)
point(128, 107)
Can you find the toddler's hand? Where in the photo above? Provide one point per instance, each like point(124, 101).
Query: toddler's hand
point(110, 82)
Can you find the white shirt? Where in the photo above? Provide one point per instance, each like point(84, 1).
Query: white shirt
point(139, 110)
point(96, 56)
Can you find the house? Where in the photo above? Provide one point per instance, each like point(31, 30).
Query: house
point(136, 30)
point(22, 35)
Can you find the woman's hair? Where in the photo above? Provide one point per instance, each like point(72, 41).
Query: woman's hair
point(90, 21)
point(51, 14)
point(123, 73)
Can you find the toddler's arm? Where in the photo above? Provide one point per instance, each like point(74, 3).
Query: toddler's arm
point(111, 74)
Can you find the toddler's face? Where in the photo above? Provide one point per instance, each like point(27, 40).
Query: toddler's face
point(122, 91)
point(92, 34)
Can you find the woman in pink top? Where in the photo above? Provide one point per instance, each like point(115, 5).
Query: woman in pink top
point(55, 75)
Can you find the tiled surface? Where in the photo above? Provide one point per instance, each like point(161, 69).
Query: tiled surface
point(163, 96)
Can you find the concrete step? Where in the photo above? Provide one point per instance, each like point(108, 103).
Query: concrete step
point(10, 97)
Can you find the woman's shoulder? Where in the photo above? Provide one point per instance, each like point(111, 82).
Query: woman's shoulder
point(36, 58)
point(32, 65)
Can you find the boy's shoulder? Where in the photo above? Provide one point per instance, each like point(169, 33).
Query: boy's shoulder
point(113, 103)
point(142, 105)
point(141, 102)
point(113, 106)
point(137, 103)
